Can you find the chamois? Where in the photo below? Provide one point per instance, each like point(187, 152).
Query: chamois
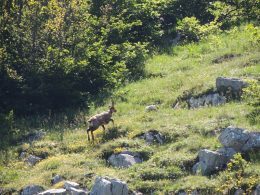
point(100, 120)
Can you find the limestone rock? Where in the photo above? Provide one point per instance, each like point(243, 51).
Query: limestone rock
point(75, 191)
point(233, 137)
point(31, 190)
point(70, 184)
point(124, 159)
point(32, 160)
point(253, 142)
point(108, 186)
point(60, 191)
point(233, 86)
point(211, 161)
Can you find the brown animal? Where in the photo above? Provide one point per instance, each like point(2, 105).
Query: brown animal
point(100, 120)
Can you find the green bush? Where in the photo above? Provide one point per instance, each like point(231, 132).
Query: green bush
point(235, 176)
point(191, 29)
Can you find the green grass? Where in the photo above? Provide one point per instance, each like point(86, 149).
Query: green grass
point(167, 168)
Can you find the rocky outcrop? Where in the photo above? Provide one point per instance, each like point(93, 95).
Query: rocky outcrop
point(31, 189)
point(124, 159)
point(152, 136)
point(230, 86)
point(227, 89)
point(239, 139)
point(213, 99)
point(234, 140)
point(68, 188)
point(108, 186)
point(32, 160)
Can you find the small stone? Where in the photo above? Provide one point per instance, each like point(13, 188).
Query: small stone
point(32, 160)
point(151, 108)
point(23, 155)
point(124, 159)
point(56, 179)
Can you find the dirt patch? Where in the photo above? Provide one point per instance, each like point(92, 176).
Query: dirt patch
point(252, 62)
point(225, 58)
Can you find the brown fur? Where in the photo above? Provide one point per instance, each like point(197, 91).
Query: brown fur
point(100, 120)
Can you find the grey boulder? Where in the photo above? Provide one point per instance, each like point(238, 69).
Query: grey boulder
point(232, 85)
point(253, 142)
point(233, 137)
point(108, 186)
point(31, 190)
point(124, 159)
point(211, 161)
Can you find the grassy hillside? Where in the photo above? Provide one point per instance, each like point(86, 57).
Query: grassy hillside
point(190, 69)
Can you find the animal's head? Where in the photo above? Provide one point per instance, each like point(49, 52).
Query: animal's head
point(112, 107)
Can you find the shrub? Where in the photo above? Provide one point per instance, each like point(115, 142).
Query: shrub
point(251, 94)
point(191, 29)
point(235, 175)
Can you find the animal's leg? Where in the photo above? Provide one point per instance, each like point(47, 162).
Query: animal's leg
point(88, 134)
point(104, 129)
point(92, 135)
point(112, 121)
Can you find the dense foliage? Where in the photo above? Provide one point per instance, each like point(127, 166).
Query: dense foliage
point(59, 54)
